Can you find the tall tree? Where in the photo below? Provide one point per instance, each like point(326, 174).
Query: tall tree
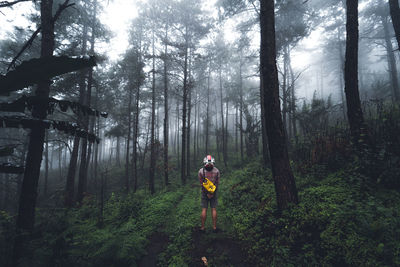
point(355, 116)
point(395, 15)
point(153, 114)
point(285, 186)
point(28, 196)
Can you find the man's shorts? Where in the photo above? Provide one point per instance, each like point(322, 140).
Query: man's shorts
point(205, 200)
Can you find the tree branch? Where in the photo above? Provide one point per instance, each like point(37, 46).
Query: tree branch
point(26, 45)
point(10, 4)
point(60, 9)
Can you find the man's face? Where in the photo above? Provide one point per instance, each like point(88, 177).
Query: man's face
point(209, 166)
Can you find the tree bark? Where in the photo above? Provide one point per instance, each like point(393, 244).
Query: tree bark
point(26, 212)
point(46, 163)
point(128, 138)
point(207, 152)
point(184, 113)
point(153, 114)
point(264, 137)
point(70, 184)
point(293, 101)
point(391, 61)
point(395, 15)
point(285, 186)
point(355, 116)
point(28, 196)
point(222, 115)
point(166, 110)
point(188, 135)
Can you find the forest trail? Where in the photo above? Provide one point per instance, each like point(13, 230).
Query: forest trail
point(220, 249)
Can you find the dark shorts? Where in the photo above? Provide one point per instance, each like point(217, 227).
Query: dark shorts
point(205, 200)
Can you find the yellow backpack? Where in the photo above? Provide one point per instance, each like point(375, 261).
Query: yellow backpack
point(208, 185)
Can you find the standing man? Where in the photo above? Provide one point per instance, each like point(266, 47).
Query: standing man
point(211, 173)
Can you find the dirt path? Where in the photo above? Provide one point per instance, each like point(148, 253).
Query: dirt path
point(158, 243)
point(218, 248)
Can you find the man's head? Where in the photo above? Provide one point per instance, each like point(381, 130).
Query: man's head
point(208, 162)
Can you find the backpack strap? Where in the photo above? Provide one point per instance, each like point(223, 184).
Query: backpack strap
point(204, 175)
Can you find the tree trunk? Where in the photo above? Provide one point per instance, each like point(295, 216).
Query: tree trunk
point(341, 76)
point(86, 151)
point(391, 61)
point(264, 137)
point(189, 117)
point(184, 113)
point(293, 102)
point(153, 114)
point(241, 110)
point(28, 196)
point(26, 212)
point(226, 132)
point(166, 110)
point(177, 135)
point(285, 186)
point(136, 119)
point(222, 116)
point(395, 15)
point(354, 111)
point(46, 163)
point(236, 130)
point(128, 138)
point(135, 137)
point(195, 133)
point(207, 152)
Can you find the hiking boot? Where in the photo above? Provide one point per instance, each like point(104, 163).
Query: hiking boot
point(216, 230)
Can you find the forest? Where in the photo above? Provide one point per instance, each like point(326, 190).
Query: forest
point(109, 110)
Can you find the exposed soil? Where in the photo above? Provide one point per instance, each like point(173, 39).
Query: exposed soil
point(158, 243)
point(218, 248)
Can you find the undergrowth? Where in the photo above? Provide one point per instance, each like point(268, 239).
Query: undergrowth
point(338, 222)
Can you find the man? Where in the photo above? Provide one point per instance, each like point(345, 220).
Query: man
point(211, 173)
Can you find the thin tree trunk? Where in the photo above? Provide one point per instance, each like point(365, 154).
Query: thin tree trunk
point(46, 163)
point(226, 132)
point(128, 138)
point(153, 114)
point(222, 117)
point(60, 167)
point(85, 156)
point(189, 116)
point(293, 101)
point(184, 113)
point(166, 110)
point(177, 135)
point(241, 112)
point(207, 152)
point(285, 187)
point(236, 130)
point(136, 120)
point(69, 190)
point(341, 76)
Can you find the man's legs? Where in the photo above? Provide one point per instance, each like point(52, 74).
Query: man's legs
point(203, 217)
point(214, 217)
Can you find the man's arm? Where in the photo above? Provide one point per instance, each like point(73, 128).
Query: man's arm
point(217, 180)
point(200, 178)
